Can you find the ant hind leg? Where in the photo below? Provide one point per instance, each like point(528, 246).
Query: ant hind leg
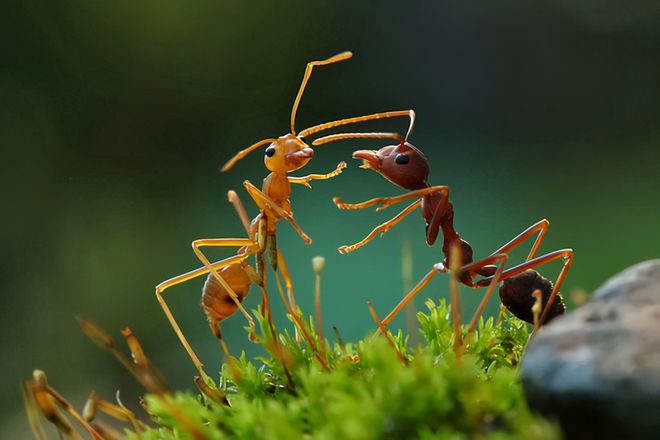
point(487, 265)
point(521, 295)
point(160, 289)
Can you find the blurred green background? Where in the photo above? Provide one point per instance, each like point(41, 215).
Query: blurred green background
point(115, 117)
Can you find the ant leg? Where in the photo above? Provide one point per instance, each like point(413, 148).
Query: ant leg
point(183, 278)
point(471, 267)
point(339, 202)
point(263, 201)
point(455, 302)
point(231, 362)
point(555, 290)
point(383, 330)
point(500, 255)
point(540, 227)
point(214, 325)
point(223, 242)
point(308, 73)
point(355, 119)
point(382, 228)
point(566, 254)
point(389, 201)
point(256, 277)
point(305, 179)
point(235, 200)
point(406, 299)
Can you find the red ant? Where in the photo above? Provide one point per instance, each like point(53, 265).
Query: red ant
point(405, 166)
point(229, 280)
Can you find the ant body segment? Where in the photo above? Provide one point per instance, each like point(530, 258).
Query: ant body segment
point(406, 166)
point(228, 280)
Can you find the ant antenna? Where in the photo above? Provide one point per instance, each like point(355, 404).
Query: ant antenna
point(374, 135)
point(412, 115)
point(241, 154)
point(308, 72)
point(370, 135)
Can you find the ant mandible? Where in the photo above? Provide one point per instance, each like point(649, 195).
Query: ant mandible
point(229, 279)
point(407, 167)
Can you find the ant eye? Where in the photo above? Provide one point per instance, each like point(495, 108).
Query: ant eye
point(401, 159)
point(270, 151)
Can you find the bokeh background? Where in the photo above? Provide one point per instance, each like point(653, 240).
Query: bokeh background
point(115, 117)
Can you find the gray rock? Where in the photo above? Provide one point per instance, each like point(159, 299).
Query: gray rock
point(597, 369)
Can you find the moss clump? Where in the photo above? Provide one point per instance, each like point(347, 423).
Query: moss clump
point(365, 392)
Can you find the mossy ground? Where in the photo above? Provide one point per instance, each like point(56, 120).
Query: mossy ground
point(366, 391)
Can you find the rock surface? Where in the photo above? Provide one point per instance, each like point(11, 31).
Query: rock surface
point(597, 369)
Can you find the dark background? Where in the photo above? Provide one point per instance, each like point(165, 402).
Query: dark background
point(115, 117)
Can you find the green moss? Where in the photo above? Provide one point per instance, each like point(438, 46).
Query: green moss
point(435, 395)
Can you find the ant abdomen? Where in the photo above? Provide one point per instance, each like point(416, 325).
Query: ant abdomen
point(516, 294)
point(216, 301)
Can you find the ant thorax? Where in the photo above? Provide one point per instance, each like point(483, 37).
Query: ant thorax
point(278, 188)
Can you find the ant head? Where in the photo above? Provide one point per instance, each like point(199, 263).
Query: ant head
point(403, 164)
point(287, 153)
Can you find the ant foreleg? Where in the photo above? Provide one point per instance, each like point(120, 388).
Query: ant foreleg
point(382, 228)
point(305, 179)
point(389, 201)
point(386, 202)
point(265, 202)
